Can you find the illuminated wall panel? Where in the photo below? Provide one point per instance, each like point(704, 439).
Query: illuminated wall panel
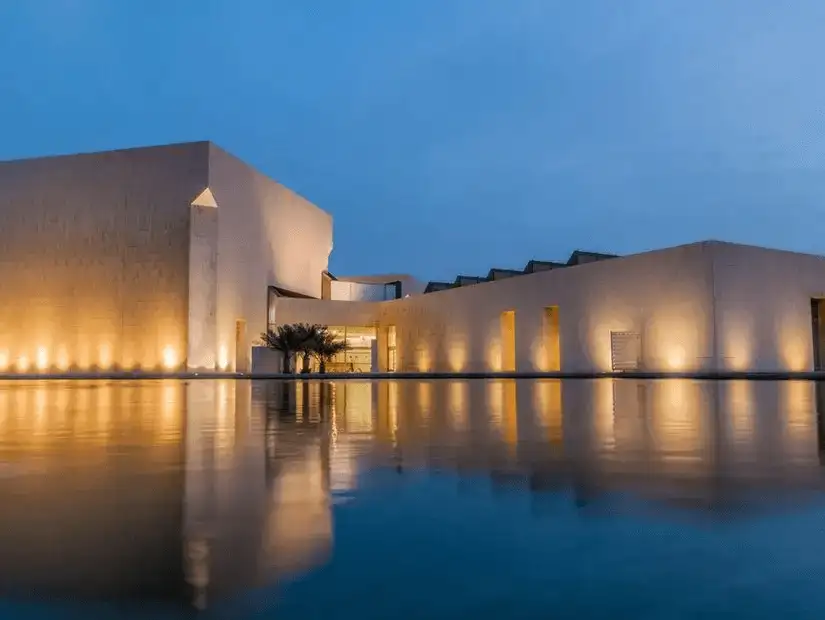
point(203, 288)
point(94, 257)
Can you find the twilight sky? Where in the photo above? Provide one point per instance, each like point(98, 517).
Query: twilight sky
point(450, 136)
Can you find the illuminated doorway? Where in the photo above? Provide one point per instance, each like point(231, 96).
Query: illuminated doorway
point(508, 341)
point(358, 356)
point(550, 333)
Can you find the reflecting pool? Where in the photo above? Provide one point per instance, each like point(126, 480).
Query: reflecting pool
point(412, 499)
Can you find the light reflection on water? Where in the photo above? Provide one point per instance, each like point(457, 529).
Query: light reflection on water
point(209, 490)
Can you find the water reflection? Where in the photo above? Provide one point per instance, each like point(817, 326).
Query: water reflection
point(195, 491)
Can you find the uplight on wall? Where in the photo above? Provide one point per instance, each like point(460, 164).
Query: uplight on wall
point(223, 357)
point(42, 359)
point(4, 360)
point(62, 359)
point(424, 358)
point(170, 358)
point(457, 355)
point(676, 358)
point(22, 363)
point(105, 356)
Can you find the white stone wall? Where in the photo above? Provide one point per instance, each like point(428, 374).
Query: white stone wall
point(94, 258)
point(267, 235)
point(763, 307)
point(203, 289)
point(663, 295)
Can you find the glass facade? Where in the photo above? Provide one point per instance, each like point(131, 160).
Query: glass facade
point(391, 348)
point(358, 356)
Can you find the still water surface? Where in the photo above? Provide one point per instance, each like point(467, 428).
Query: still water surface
point(405, 499)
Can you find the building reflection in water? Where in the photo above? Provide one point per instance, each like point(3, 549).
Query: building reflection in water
point(204, 489)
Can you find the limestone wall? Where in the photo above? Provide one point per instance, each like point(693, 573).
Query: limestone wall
point(665, 296)
point(267, 235)
point(94, 258)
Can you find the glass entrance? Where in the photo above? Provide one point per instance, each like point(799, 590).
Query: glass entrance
point(358, 356)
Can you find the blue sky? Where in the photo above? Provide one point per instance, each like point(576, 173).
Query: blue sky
point(450, 136)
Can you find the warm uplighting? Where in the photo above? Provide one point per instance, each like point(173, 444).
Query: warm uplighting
point(223, 358)
point(42, 359)
point(425, 400)
point(170, 358)
point(794, 347)
point(495, 403)
point(4, 360)
point(458, 404)
point(740, 402)
point(494, 356)
point(738, 344)
point(548, 407)
point(797, 402)
point(22, 363)
point(424, 359)
point(62, 359)
point(677, 358)
point(677, 419)
point(105, 356)
point(457, 356)
point(508, 340)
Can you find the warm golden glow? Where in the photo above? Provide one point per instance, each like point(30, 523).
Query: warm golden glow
point(457, 355)
point(22, 363)
point(392, 407)
point(425, 401)
point(508, 341)
point(510, 412)
point(738, 342)
point(62, 359)
point(4, 360)
point(223, 357)
point(458, 404)
point(494, 355)
point(105, 356)
point(798, 407)
point(42, 359)
point(495, 403)
point(547, 401)
point(424, 361)
point(604, 427)
point(678, 419)
point(740, 408)
point(170, 358)
point(548, 352)
point(677, 357)
point(794, 347)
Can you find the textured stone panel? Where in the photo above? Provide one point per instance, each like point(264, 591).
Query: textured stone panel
point(268, 235)
point(94, 257)
point(203, 286)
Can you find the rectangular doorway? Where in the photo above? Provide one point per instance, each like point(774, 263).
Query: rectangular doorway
point(392, 336)
point(818, 332)
point(508, 341)
point(550, 338)
point(241, 350)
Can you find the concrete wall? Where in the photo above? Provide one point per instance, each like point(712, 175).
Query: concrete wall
point(361, 291)
point(94, 258)
point(284, 310)
point(763, 307)
point(203, 288)
point(267, 235)
point(663, 295)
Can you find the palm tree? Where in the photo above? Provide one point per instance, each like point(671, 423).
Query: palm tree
point(309, 336)
point(327, 347)
point(287, 339)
